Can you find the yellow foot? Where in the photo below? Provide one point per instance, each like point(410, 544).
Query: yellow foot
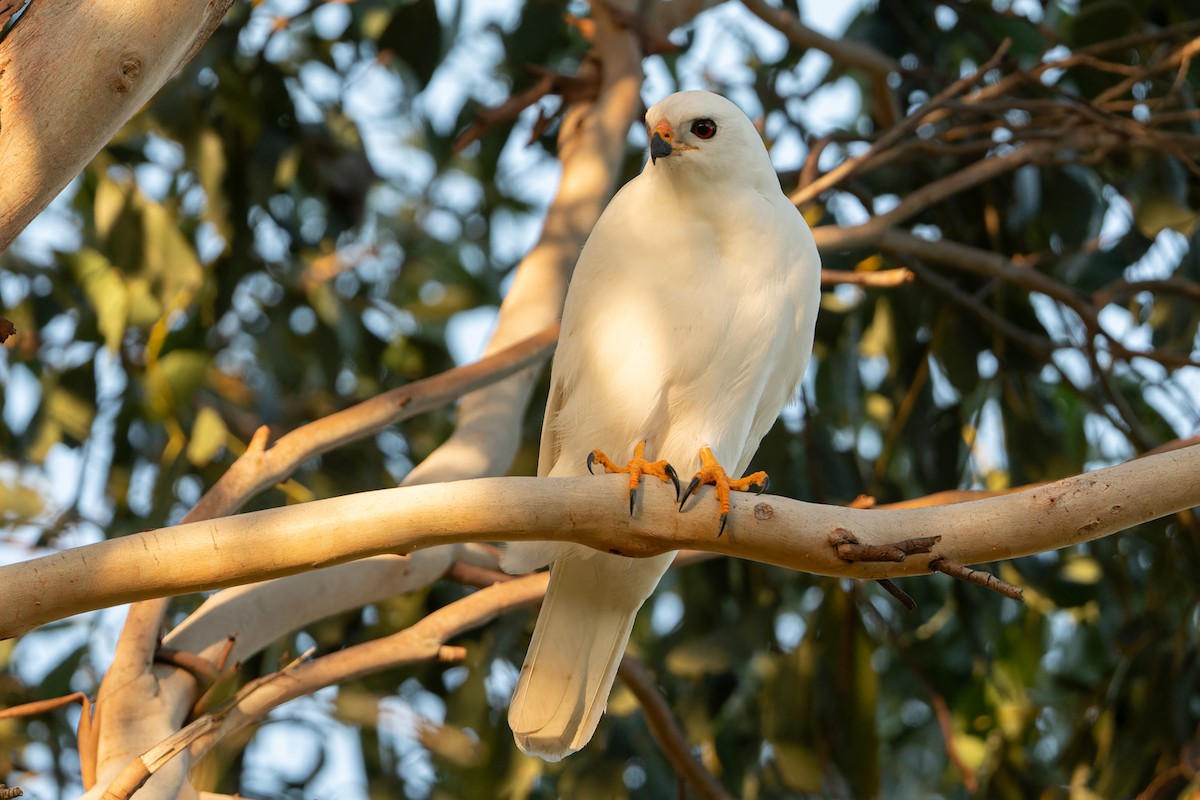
point(636, 468)
point(713, 473)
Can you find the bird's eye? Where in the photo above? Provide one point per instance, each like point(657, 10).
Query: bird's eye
point(704, 128)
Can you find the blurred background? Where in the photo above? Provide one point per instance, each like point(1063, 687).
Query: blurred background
point(289, 228)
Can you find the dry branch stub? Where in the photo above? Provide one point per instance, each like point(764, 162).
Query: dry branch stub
point(849, 548)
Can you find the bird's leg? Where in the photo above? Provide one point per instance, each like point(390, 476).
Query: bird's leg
point(636, 468)
point(712, 472)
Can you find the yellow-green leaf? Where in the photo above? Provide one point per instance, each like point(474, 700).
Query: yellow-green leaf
point(208, 437)
point(72, 413)
point(19, 502)
point(109, 201)
point(174, 378)
point(799, 767)
point(105, 289)
point(210, 170)
point(1082, 570)
point(698, 657)
point(169, 256)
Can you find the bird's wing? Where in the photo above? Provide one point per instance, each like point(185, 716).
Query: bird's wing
point(550, 447)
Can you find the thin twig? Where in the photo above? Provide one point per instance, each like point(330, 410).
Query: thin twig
point(42, 706)
point(572, 88)
point(904, 598)
point(666, 730)
point(1145, 37)
point(1039, 346)
point(978, 577)
point(878, 279)
point(651, 39)
point(898, 131)
point(1119, 290)
point(940, 708)
point(844, 51)
point(850, 52)
point(485, 118)
point(672, 15)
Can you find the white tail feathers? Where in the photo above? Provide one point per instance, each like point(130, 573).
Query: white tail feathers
point(577, 646)
point(517, 558)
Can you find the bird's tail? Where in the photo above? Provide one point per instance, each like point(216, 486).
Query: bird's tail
point(577, 645)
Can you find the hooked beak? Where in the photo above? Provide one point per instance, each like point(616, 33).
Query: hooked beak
point(661, 141)
point(659, 147)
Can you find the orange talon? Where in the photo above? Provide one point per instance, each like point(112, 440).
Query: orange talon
point(711, 472)
point(636, 468)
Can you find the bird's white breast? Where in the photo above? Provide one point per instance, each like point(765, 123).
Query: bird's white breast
point(688, 322)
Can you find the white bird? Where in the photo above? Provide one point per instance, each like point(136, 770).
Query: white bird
point(688, 324)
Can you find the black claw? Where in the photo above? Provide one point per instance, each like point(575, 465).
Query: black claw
point(591, 459)
point(688, 491)
point(674, 479)
point(632, 492)
point(724, 519)
point(759, 488)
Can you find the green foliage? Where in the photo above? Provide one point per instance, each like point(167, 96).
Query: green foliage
point(287, 230)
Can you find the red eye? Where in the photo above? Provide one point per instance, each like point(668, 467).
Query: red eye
point(704, 128)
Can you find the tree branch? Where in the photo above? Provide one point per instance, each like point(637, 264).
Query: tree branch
point(774, 530)
point(667, 15)
point(58, 112)
point(263, 465)
point(844, 52)
point(847, 168)
point(989, 264)
point(941, 709)
point(424, 641)
point(299, 600)
point(42, 706)
point(666, 730)
point(870, 232)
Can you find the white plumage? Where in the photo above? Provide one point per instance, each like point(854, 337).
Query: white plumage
point(688, 323)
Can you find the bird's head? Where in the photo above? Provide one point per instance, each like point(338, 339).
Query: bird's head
point(703, 135)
